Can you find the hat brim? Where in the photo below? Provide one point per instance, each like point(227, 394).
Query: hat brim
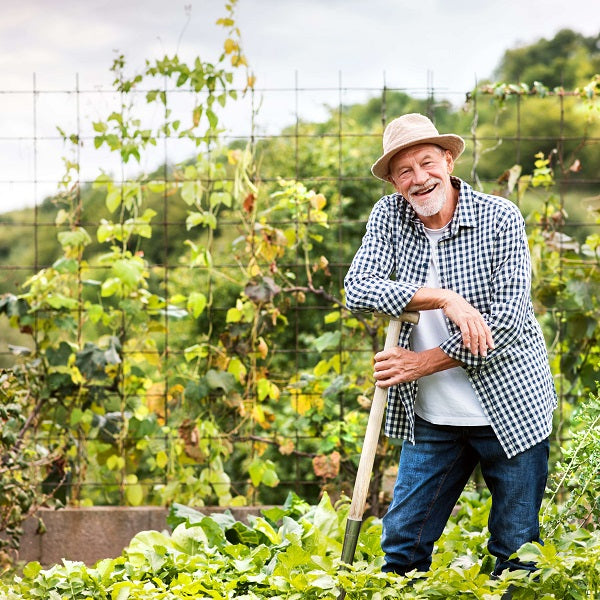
point(448, 141)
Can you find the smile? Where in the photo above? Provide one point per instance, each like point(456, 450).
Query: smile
point(425, 191)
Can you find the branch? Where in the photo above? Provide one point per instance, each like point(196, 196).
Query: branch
point(272, 442)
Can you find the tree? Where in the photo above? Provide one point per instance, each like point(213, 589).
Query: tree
point(569, 59)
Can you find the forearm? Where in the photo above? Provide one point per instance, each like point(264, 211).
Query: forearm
point(435, 360)
point(475, 332)
point(399, 365)
point(429, 299)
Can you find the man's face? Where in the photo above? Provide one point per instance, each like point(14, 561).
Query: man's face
point(421, 174)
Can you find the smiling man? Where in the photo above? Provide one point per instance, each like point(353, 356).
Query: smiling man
point(470, 384)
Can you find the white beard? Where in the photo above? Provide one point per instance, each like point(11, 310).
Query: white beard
point(433, 204)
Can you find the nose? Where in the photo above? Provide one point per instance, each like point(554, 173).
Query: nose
point(420, 175)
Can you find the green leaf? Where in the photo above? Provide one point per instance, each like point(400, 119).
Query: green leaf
point(328, 340)
point(217, 198)
point(66, 265)
point(201, 218)
point(189, 538)
point(332, 317)
point(212, 118)
point(220, 380)
point(128, 271)
point(110, 286)
point(263, 471)
point(256, 470)
point(180, 513)
point(59, 301)
point(113, 199)
point(196, 303)
point(162, 460)
point(134, 494)
point(31, 569)
point(234, 315)
point(190, 192)
point(75, 238)
point(59, 355)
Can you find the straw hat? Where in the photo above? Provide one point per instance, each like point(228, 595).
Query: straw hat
point(410, 130)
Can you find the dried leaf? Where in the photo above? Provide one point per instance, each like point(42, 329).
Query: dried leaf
point(327, 466)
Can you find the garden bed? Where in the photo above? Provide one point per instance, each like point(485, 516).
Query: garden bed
point(92, 533)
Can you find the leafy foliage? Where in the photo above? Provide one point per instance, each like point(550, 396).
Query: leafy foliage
point(293, 552)
point(567, 60)
point(159, 364)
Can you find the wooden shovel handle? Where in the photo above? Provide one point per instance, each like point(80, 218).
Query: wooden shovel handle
point(367, 457)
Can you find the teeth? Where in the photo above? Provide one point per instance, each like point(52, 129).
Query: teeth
point(422, 192)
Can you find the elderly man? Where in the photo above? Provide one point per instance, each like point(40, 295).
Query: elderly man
point(470, 384)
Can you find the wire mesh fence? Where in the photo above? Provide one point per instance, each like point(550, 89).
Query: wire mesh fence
point(324, 138)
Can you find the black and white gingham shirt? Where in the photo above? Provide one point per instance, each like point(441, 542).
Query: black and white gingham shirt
point(485, 258)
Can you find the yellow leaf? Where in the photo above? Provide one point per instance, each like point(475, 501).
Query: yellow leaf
point(197, 113)
point(233, 156)
point(238, 501)
point(301, 404)
point(134, 494)
point(321, 368)
point(274, 391)
point(258, 414)
point(262, 348)
point(115, 462)
point(318, 201)
point(253, 269)
point(238, 60)
point(260, 448)
point(162, 459)
point(230, 46)
point(237, 368)
point(251, 81)
point(233, 316)
point(76, 375)
point(287, 447)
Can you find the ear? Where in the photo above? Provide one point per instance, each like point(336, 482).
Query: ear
point(449, 162)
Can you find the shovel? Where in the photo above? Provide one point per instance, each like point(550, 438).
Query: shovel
point(367, 456)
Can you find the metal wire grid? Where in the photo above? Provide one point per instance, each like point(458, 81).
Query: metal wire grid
point(31, 223)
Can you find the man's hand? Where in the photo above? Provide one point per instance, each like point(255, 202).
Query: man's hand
point(399, 365)
point(476, 334)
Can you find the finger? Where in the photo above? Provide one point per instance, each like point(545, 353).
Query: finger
point(485, 339)
point(383, 355)
point(466, 336)
point(383, 371)
point(479, 343)
point(489, 338)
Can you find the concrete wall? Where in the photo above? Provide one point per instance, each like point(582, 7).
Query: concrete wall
point(90, 534)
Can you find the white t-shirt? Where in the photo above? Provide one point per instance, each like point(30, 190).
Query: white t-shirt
point(446, 397)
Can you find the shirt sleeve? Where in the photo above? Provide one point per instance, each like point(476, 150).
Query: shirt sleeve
point(367, 284)
point(510, 286)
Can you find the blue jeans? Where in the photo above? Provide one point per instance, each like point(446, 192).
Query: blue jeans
point(433, 473)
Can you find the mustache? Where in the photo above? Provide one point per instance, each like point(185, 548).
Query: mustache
point(415, 189)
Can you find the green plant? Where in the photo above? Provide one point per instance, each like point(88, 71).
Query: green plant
point(22, 466)
point(576, 476)
point(293, 552)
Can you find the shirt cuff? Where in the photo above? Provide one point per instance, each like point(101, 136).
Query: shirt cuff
point(454, 348)
point(394, 299)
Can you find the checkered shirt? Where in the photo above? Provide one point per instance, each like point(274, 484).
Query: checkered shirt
point(484, 257)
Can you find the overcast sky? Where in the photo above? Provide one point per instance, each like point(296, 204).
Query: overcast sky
point(314, 43)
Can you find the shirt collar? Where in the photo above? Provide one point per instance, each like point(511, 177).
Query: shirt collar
point(465, 215)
